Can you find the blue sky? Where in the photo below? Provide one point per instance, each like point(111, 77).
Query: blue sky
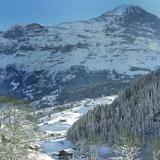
point(55, 11)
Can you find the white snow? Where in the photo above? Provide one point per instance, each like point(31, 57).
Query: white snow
point(104, 52)
point(38, 156)
point(54, 146)
point(59, 123)
point(15, 85)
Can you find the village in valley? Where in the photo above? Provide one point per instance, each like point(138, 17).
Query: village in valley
point(53, 127)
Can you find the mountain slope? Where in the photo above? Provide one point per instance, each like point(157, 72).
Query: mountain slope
point(37, 61)
point(136, 109)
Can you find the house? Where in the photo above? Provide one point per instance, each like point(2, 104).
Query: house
point(64, 155)
point(35, 147)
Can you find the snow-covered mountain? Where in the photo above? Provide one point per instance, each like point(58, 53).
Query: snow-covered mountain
point(79, 59)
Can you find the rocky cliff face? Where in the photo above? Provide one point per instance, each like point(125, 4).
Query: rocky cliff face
point(136, 109)
point(79, 57)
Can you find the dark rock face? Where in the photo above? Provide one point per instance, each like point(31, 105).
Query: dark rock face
point(15, 32)
point(10, 76)
point(33, 85)
point(76, 86)
point(18, 31)
point(35, 26)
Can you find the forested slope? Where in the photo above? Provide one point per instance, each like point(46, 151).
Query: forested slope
point(137, 108)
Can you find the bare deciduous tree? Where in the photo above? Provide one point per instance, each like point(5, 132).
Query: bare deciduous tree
point(15, 131)
point(128, 145)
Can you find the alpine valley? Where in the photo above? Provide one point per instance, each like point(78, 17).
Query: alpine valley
point(72, 74)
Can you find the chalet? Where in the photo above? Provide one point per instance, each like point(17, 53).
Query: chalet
point(34, 147)
point(64, 155)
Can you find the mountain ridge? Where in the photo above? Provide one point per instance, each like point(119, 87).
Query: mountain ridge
point(123, 9)
point(55, 57)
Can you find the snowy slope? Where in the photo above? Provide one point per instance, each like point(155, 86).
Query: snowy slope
point(56, 124)
point(38, 156)
point(38, 60)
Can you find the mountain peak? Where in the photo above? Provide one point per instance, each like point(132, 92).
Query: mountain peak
point(125, 10)
point(128, 14)
point(129, 9)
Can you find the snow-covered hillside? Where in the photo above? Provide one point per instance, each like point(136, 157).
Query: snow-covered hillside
point(54, 126)
point(37, 60)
